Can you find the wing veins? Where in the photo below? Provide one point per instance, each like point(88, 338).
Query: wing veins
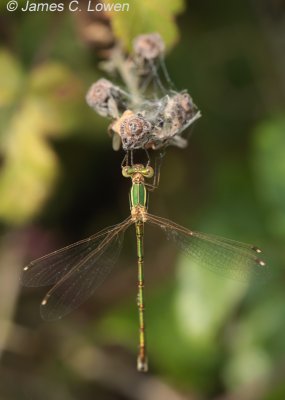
point(70, 246)
point(227, 244)
point(99, 249)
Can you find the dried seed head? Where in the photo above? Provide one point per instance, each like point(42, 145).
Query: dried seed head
point(186, 102)
point(134, 130)
point(175, 116)
point(149, 46)
point(181, 107)
point(178, 113)
point(99, 92)
point(104, 98)
point(175, 113)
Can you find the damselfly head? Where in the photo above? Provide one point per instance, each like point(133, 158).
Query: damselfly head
point(137, 170)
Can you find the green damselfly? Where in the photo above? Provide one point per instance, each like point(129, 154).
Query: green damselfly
point(78, 269)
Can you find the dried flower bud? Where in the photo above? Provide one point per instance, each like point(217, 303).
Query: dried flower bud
point(134, 130)
point(176, 112)
point(179, 110)
point(105, 98)
point(185, 101)
point(149, 46)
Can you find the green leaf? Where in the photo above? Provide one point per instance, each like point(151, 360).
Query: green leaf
point(204, 301)
point(257, 341)
point(245, 367)
point(269, 162)
point(147, 16)
point(10, 78)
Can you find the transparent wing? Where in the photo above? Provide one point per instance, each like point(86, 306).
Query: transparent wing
point(227, 257)
point(50, 268)
point(88, 266)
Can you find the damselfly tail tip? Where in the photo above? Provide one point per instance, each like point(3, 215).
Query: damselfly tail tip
point(142, 364)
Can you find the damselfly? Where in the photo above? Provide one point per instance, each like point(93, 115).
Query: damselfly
point(77, 270)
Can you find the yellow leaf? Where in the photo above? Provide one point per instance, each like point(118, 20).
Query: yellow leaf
point(59, 95)
point(30, 167)
point(10, 78)
point(146, 16)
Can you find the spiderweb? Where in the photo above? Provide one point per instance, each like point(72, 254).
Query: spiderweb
point(150, 113)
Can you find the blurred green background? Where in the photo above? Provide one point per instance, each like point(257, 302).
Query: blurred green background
point(60, 181)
